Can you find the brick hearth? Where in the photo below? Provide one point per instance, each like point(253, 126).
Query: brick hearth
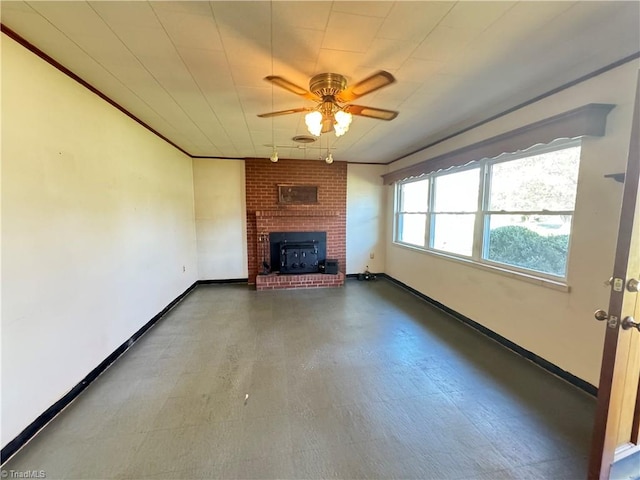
point(275, 281)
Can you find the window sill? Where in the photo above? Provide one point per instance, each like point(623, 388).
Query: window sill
point(525, 277)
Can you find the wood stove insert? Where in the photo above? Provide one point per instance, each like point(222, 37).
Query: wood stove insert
point(297, 252)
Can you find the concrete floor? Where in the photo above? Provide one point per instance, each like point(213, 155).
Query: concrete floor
point(365, 381)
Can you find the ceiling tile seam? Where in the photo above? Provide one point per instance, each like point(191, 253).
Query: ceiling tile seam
point(211, 109)
point(317, 61)
point(94, 60)
point(570, 5)
point(324, 34)
point(148, 71)
point(364, 14)
point(418, 43)
point(498, 18)
point(57, 65)
point(54, 63)
point(300, 121)
point(315, 65)
point(375, 35)
point(107, 72)
point(583, 78)
point(87, 84)
point(410, 56)
point(336, 141)
point(198, 111)
point(224, 49)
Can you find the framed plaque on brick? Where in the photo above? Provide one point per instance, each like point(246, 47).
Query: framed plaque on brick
point(297, 194)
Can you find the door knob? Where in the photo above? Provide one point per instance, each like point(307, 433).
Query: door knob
point(633, 285)
point(601, 315)
point(628, 323)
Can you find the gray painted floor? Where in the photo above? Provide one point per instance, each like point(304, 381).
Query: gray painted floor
point(365, 381)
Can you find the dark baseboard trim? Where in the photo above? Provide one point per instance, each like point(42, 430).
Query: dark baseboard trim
point(228, 280)
point(541, 362)
point(29, 432)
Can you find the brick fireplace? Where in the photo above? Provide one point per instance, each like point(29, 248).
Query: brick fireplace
point(266, 214)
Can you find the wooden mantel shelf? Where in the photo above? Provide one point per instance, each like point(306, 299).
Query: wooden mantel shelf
point(297, 213)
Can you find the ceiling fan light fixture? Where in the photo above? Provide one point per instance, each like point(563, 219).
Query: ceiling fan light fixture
point(343, 120)
point(274, 156)
point(314, 122)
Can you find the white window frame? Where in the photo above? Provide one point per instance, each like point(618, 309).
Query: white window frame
point(433, 213)
point(481, 230)
point(398, 213)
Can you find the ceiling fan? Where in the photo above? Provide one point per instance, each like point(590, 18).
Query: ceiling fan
point(330, 91)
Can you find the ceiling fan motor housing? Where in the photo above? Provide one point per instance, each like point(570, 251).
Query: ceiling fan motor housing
point(325, 84)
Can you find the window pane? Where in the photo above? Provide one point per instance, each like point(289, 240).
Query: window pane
point(412, 228)
point(454, 233)
point(536, 242)
point(547, 181)
point(414, 196)
point(457, 192)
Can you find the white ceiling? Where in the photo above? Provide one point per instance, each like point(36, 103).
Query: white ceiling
point(194, 70)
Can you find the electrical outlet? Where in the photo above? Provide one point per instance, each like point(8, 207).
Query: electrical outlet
point(371, 255)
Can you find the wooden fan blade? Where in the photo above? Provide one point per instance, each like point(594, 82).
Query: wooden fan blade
point(285, 112)
point(371, 112)
point(370, 84)
point(290, 86)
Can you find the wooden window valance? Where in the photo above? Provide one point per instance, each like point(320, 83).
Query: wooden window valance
point(588, 120)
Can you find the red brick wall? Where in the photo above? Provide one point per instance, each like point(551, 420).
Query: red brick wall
point(329, 214)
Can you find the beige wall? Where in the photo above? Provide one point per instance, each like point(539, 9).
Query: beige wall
point(98, 233)
point(556, 325)
point(219, 191)
point(366, 218)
